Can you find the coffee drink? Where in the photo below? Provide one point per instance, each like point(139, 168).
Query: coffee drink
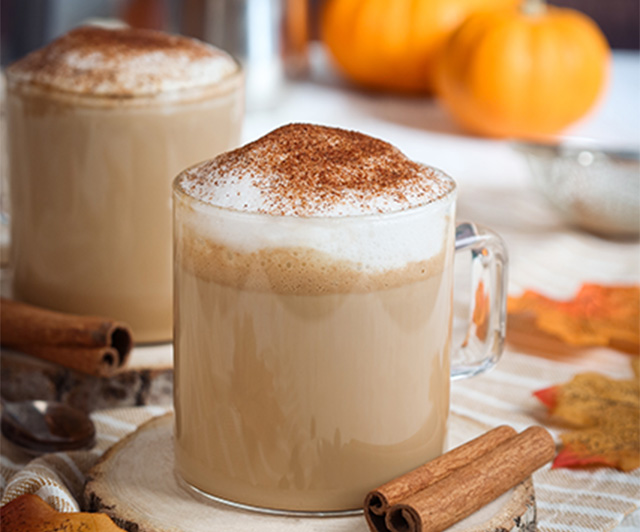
point(101, 121)
point(313, 309)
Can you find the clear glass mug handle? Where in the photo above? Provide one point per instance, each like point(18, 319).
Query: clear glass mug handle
point(486, 327)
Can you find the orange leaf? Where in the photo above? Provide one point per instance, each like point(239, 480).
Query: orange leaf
point(578, 457)
point(480, 318)
point(29, 513)
point(605, 417)
point(548, 396)
point(596, 316)
point(481, 312)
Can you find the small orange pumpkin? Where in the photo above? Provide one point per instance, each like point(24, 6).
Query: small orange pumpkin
point(523, 73)
point(393, 44)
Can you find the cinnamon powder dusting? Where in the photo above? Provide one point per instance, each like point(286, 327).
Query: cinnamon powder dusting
point(120, 43)
point(309, 170)
point(122, 62)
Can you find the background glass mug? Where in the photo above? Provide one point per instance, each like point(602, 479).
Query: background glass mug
point(100, 122)
point(302, 383)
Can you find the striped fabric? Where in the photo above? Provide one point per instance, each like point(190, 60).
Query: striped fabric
point(568, 501)
point(59, 478)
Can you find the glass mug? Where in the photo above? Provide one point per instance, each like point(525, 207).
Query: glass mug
point(91, 172)
point(299, 389)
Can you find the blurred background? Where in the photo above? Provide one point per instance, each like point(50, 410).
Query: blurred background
point(296, 72)
point(27, 25)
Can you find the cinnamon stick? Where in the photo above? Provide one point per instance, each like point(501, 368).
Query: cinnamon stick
point(378, 501)
point(474, 485)
point(93, 345)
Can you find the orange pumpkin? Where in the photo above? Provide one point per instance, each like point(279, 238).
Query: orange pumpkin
point(523, 73)
point(393, 44)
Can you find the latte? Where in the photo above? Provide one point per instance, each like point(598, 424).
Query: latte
point(313, 308)
point(101, 121)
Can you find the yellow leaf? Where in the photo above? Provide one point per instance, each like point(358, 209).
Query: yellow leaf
point(604, 414)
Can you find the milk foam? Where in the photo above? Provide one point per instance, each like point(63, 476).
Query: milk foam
point(237, 190)
point(372, 244)
point(123, 62)
point(307, 170)
point(341, 193)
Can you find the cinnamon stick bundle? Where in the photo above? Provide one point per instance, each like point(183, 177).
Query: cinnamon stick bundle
point(93, 345)
point(378, 502)
point(444, 491)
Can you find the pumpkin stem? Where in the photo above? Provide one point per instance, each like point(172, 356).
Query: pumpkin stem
point(533, 7)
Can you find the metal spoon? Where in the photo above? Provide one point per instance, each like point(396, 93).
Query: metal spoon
point(45, 427)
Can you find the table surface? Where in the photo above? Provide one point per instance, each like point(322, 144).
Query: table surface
point(496, 190)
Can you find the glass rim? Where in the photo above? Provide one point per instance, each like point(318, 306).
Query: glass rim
point(278, 512)
point(174, 96)
point(447, 198)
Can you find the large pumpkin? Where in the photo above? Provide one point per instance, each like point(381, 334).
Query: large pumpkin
point(392, 44)
point(528, 72)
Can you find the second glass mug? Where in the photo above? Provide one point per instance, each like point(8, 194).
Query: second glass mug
point(298, 387)
point(91, 215)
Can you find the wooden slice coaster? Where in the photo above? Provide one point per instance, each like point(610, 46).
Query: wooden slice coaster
point(147, 379)
point(135, 484)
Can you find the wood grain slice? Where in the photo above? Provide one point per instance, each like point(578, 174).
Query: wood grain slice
point(147, 379)
point(135, 484)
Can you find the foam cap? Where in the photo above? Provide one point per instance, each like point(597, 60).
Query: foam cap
point(309, 170)
point(122, 62)
point(340, 193)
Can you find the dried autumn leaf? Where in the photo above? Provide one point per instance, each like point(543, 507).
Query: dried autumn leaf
point(480, 318)
point(605, 416)
point(481, 312)
point(29, 513)
point(597, 316)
